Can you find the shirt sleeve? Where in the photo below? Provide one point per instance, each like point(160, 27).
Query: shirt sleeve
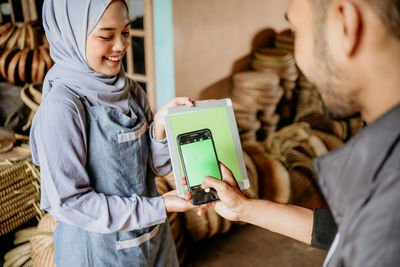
point(160, 158)
point(324, 229)
point(60, 150)
point(160, 162)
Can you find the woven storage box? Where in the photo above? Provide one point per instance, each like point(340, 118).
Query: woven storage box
point(19, 195)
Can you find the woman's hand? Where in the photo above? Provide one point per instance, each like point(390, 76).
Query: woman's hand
point(174, 203)
point(159, 125)
point(203, 207)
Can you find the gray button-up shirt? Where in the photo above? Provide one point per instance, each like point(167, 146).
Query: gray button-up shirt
point(361, 183)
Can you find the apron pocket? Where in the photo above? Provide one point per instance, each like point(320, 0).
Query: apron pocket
point(133, 157)
point(132, 136)
point(135, 242)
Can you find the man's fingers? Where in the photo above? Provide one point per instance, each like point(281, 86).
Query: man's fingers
point(227, 175)
point(211, 182)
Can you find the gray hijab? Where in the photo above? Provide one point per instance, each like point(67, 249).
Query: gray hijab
point(67, 23)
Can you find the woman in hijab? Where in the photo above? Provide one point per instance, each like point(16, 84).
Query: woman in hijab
point(98, 146)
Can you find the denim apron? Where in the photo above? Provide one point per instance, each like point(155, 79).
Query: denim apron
point(117, 162)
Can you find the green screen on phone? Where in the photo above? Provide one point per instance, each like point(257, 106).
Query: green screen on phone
point(200, 161)
point(221, 132)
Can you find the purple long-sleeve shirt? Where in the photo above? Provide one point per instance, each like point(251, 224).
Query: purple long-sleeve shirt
point(59, 148)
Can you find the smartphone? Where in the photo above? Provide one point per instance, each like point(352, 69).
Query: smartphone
point(199, 159)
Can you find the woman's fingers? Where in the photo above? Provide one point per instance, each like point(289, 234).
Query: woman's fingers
point(203, 101)
point(188, 196)
point(183, 181)
point(203, 208)
point(181, 101)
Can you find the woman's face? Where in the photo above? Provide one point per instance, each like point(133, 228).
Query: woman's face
point(108, 41)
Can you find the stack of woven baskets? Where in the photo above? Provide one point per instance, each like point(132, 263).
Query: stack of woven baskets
point(13, 146)
point(34, 245)
point(278, 61)
point(24, 53)
point(295, 146)
point(284, 158)
point(19, 194)
point(284, 40)
point(273, 178)
point(42, 245)
point(7, 140)
point(263, 97)
point(31, 95)
point(284, 164)
point(320, 122)
point(24, 61)
point(255, 97)
point(20, 255)
point(306, 97)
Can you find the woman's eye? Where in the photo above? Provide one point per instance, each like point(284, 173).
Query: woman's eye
point(106, 37)
point(125, 33)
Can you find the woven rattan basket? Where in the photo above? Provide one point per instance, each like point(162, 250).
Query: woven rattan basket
point(19, 194)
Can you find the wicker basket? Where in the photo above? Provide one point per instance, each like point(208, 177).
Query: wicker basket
point(31, 95)
point(19, 194)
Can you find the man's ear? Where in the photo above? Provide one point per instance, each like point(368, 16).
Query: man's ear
point(348, 14)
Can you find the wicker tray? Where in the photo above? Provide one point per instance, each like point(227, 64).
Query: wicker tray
point(19, 194)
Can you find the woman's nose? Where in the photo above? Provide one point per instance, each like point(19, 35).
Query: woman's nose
point(120, 43)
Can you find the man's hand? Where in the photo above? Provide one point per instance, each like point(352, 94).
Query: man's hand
point(293, 221)
point(159, 126)
point(231, 198)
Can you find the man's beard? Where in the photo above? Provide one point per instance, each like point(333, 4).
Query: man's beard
point(329, 80)
point(335, 115)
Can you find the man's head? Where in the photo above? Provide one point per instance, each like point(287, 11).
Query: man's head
point(335, 42)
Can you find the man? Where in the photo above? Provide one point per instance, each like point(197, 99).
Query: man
point(350, 49)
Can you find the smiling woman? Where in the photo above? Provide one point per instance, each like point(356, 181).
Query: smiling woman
point(107, 43)
point(99, 145)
